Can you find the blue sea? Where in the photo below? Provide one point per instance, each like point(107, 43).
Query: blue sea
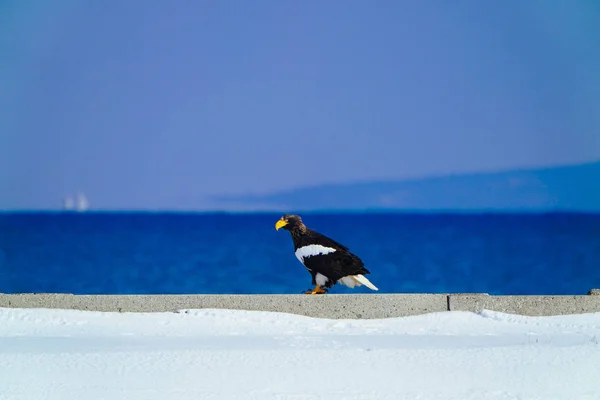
point(181, 253)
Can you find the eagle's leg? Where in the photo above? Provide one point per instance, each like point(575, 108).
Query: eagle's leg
point(316, 290)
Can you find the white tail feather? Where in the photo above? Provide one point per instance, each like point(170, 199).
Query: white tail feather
point(360, 279)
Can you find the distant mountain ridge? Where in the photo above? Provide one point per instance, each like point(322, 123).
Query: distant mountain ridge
point(563, 188)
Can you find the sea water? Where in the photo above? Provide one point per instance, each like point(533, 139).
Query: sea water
point(180, 253)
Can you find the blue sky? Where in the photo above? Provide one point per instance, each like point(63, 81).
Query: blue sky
point(148, 104)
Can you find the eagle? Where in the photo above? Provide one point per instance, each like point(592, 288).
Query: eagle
point(327, 261)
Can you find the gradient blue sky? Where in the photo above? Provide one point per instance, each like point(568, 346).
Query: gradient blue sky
point(155, 104)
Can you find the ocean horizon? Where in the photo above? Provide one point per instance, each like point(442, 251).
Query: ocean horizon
point(239, 252)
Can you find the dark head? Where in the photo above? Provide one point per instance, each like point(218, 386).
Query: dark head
point(290, 222)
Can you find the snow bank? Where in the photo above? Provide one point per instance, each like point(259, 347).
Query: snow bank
point(230, 354)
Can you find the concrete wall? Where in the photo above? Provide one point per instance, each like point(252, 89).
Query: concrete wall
point(333, 306)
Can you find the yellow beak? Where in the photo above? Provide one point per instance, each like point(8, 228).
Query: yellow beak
point(281, 223)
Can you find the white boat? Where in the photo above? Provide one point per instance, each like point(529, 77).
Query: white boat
point(68, 203)
point(80, 203)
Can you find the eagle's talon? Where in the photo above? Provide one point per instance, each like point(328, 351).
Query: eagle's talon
point(316, 290)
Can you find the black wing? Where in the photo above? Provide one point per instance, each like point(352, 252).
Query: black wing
point(316, 237)
point(335, 265)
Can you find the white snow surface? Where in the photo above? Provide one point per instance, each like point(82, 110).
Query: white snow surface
point(225, 354)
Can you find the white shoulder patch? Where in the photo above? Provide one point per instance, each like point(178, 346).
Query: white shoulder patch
point(312, 250)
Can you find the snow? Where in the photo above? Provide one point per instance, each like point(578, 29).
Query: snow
point(226, 354)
